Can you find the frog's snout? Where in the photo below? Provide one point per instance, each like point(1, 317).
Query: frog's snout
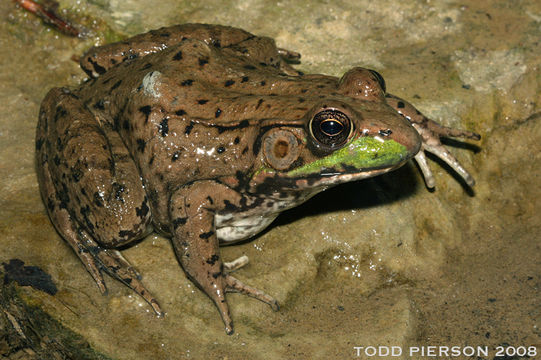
point(406, 136)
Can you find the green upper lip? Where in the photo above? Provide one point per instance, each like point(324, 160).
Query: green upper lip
point(361, 153)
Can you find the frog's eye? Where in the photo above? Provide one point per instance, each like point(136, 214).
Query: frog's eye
point(330, 128)
point(380, 79)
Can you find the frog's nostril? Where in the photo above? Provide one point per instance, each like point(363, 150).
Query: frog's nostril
point(385, 132)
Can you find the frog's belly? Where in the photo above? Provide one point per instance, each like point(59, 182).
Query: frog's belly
point(242, 225)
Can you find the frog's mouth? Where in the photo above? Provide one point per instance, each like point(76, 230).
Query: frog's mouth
point(361, 157)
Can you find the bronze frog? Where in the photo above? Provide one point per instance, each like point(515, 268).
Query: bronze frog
point(205, 133)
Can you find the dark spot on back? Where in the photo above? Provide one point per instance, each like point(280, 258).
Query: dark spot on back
point(178, 56)
point(180, 112)
point(117, 84)
point(237, 140)
point(145, 110)
point(203, 61)
point(229, 83)
point(400, 105)
point(141, 145)
point(97, 67)
point(244, 79)
point(98, 200)
point(187, 82)
point(189, 128)
point(263, 83)
point(76, 174)
point(259, 102)
point(218, 112)
point(100, 105)
point(146, 66)
point(249, 67)
point(220, 149)
point(202, 101)
point(164, 127)
point(179, 221)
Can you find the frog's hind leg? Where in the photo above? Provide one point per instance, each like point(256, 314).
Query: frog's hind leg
point(90, 185)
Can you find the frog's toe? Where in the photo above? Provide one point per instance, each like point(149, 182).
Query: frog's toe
point(91, 266)
point(235, 285)
point(236, 264)
point(121, 270)
point(117, 266)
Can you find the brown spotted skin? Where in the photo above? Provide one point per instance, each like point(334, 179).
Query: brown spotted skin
point(170, 134)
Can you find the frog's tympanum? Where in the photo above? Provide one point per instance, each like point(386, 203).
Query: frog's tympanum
point(205, 134)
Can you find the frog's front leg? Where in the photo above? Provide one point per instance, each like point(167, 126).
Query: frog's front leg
point(431, 132)
point(192, 211)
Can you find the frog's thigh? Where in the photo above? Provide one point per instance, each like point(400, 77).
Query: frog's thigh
point(104, 190)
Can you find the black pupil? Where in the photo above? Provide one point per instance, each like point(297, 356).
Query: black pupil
point(331, 127)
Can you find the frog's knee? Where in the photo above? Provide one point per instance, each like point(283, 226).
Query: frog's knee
point(114, 226)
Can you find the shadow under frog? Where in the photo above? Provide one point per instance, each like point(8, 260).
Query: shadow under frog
point(205, 134)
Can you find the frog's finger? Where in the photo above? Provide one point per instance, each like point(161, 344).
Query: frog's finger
point(288, 54)
point(420, 158)
point(446, 131)
point(441, 152)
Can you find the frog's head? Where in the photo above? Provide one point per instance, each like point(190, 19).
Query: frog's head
point(352, 136)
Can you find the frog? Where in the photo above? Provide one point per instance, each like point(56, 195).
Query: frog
point(204, 134)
